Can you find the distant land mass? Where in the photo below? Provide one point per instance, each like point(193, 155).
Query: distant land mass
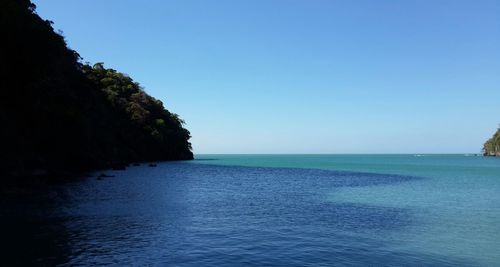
point(61, 116)
point(492, 146)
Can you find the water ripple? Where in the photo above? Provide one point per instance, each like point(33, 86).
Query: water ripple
point(205, 215)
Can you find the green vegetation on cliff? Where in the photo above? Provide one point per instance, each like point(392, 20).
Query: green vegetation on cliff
point(58, 114)
point(492, 146)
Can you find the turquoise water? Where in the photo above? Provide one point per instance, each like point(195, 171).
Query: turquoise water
point(455, 208)
point(265, 210)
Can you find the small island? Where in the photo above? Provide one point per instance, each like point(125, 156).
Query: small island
point(492, 146)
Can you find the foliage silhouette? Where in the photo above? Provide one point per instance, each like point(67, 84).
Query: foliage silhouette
point(59, 115)
point(492, 146)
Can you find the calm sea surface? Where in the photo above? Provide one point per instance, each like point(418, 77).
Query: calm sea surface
point(266, 210)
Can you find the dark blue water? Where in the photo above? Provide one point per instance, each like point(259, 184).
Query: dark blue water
point(184, 214)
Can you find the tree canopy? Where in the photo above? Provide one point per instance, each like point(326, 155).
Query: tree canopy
point(492, 146)
point(57, 113)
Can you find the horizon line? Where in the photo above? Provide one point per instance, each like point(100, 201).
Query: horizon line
point(464, 153)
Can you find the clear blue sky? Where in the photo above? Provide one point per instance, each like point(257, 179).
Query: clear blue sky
point(271, 76)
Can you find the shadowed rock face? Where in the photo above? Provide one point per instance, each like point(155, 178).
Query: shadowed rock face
point(58, 115)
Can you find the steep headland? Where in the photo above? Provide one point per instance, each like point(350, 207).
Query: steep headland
point(492, 146)
point(61, 116)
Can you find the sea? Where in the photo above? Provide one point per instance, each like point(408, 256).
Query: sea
point(264, 210)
